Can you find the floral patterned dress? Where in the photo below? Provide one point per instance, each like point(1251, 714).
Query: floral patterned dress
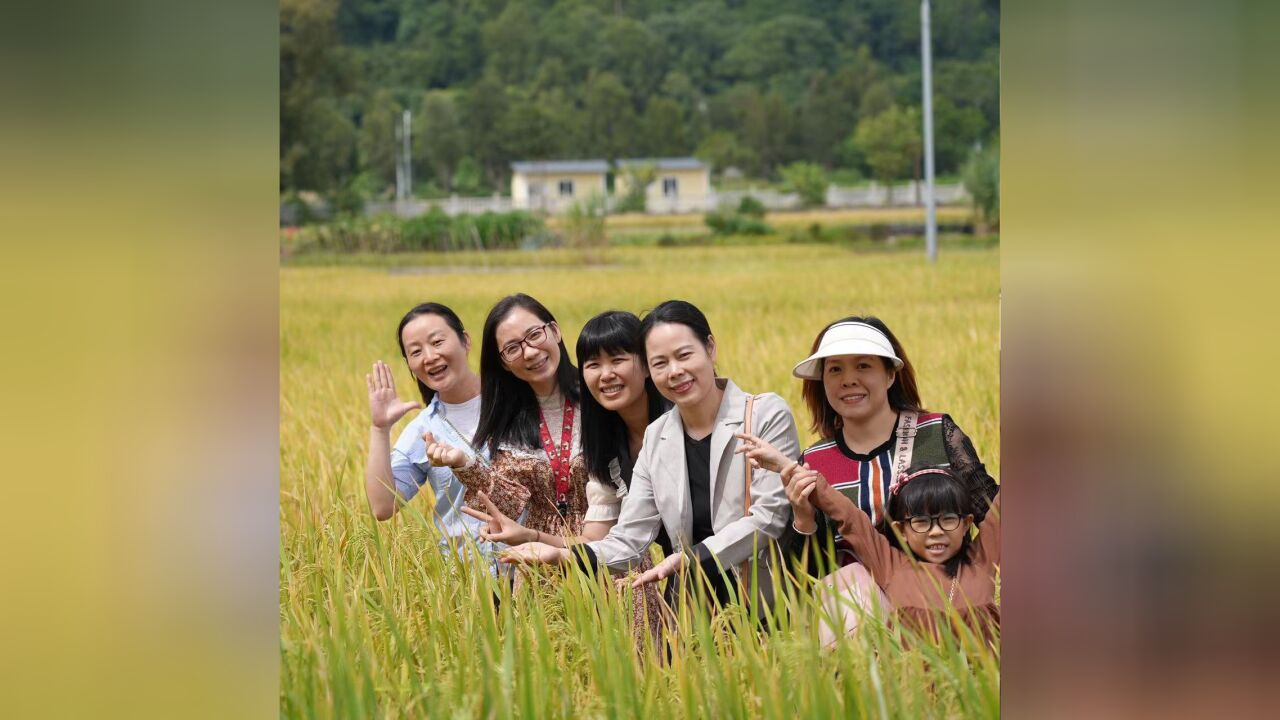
point(520, 479)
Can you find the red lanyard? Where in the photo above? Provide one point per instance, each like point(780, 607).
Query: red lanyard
point(558, 456)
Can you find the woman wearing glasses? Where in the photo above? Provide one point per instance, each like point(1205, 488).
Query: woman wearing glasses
point(530, 421)
point(619, 403)
point(687, 479)
point(860, 389)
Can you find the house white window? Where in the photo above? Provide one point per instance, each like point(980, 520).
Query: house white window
point(566, 188)
point(670, 188)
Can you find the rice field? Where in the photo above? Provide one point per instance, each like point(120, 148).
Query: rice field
point(374, 622)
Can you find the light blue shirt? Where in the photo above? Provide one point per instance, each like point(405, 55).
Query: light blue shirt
point(411, 470)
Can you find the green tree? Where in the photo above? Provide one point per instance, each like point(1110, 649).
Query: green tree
point(610, 121)
point(511, 40)
point(317, 136)
point(722, 149)
point(635, 54)
point(808, 180)
point(484, 107)
point(956, 129)
point(439, 140)
point(781, 52)
point(663, 129)
point(379, 141)
point(982, 180)
point(890, 142)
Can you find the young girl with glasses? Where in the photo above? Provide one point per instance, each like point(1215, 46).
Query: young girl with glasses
point(931, 514)
point(860, 389)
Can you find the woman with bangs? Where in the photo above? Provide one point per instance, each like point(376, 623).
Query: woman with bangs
point(860, 389)
point(722, 516)
point(619, 404)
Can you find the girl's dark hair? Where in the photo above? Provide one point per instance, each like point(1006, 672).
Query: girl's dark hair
point(679, 312)
point(604, 434)
point(903, 394)
point(428, 308)
point(932, 494)
point(508, 406)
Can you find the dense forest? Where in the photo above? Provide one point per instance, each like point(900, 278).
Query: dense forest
point(752, 84)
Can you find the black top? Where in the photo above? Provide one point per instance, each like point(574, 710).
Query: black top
point(697, 458)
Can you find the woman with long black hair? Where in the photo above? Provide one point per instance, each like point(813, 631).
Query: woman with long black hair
point(529, 422)
point(688, 478)
point(619, 403)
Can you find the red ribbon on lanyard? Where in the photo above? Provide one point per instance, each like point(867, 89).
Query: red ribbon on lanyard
point(559, 455)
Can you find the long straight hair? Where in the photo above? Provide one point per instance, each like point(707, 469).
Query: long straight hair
point(508, 405)
point(604, 434)
point(903, 394)
point(428, 308)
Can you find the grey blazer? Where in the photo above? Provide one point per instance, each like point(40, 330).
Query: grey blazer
point(659, 492)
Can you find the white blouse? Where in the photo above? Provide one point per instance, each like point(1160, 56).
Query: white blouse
point(604, 497)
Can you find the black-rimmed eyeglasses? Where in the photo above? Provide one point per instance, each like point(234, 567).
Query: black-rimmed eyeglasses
point(534, 338)
point(924, 523)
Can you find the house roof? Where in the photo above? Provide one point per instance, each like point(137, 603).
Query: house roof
point(548, 167)
point(537, 167)
point(681, 163)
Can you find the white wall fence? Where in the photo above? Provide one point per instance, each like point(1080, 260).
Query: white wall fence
point(904, 195)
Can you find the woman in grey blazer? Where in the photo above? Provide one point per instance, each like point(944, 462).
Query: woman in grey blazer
point(688, 478)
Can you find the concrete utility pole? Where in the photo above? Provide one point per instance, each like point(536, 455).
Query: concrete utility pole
point(930, 202)
point(404, 166)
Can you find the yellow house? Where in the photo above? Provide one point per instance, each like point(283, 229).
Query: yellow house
point(678, 185)
point(554, 185)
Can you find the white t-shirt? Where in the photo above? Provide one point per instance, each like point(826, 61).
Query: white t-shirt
point(464, 416)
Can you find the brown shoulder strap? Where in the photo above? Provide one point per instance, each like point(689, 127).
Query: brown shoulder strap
point(747, 429)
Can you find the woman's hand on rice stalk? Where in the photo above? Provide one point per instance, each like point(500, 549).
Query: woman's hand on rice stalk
point(534, 553)
point(385, 408)
point(442, 454)
point(500, 528)
point(669, 566)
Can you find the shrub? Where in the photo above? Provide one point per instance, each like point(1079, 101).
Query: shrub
point(733, 223)
point(751, 207)
point(808, 180)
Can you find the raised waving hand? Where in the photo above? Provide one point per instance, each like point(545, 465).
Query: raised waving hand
point(385, 408)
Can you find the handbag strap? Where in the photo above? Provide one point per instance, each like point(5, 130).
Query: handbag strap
point(906, 443)
point(745, 568)
point(746, 465)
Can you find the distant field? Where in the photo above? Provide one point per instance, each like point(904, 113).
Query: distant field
point(373, 625)
point(852, 216)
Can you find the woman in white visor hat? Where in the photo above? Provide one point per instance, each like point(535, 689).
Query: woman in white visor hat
point(860, 389)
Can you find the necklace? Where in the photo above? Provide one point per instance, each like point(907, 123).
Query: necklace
point(951, 596)
point(558, 456)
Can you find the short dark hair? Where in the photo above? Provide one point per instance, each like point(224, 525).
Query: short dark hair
point(679, 312)
point(428, 308)
point(508, 406)
point(931, 494)
point(903, 394)
point(604, 434)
